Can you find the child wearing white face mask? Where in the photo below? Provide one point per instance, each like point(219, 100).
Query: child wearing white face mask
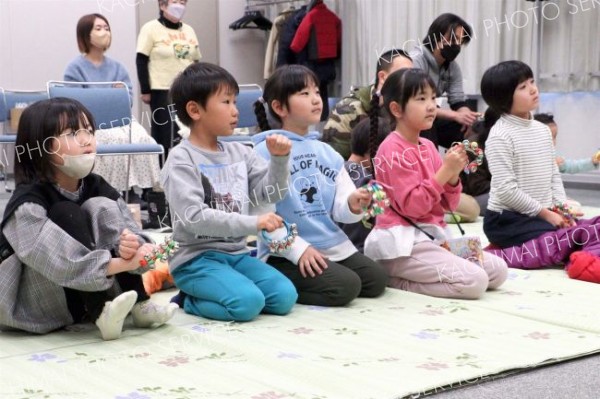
point(165, 47)
point(70, 250)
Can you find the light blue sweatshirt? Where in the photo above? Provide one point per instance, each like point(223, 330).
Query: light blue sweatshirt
point(319, 187)
point(82, 70)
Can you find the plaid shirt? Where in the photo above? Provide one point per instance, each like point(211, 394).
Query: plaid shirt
point(46, 259)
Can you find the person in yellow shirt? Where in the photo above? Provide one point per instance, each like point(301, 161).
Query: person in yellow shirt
point(165, 47)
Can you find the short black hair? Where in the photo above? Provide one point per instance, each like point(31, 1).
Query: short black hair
point(444, 24)
point(385, 60)
point(198, 82)
point(38, 123)
point(360, 135)
point(500, 81)
point(546, 119)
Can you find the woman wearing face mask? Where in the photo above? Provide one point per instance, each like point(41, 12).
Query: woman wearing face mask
point(70, 251)
point(94, 39)
point(165, 47)
point(445, 38)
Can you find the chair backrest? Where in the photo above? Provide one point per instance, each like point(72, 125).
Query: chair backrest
point(10, 98)
point(245, 104)
point(108, 102)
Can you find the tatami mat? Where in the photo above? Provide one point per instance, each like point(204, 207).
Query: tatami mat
point(389, 347)
point(395, 346)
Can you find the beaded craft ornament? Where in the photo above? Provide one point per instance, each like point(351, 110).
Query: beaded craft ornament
point(378, 204)
point(278, 246)
point(565, 211)
point(474, 153)
point(161, 252)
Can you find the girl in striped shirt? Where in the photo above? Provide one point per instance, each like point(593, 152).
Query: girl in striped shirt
point(526, 184)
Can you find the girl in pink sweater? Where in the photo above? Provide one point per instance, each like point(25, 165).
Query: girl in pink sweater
point(421, 186)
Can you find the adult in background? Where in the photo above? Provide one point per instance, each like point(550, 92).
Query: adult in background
point(446, 36)
point(94, 37)
point(165, 47)
point(353, 108)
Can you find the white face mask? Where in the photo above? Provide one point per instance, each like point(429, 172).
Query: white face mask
point(100, 39)
point(176, 10)
point(77, 166)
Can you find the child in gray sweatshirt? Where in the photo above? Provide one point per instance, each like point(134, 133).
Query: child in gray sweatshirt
point(211, 187)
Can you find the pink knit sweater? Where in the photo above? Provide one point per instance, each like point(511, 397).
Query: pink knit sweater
point(407, 172)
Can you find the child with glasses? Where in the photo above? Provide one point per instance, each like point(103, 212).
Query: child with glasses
point(69, 248)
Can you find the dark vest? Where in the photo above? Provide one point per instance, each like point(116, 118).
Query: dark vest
point(46, 195)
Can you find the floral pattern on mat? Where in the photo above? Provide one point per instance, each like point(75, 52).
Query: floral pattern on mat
point(388, 347)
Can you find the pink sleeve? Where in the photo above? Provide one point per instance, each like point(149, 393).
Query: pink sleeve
point(451, 193)
point(412, 195)
point(302, 35)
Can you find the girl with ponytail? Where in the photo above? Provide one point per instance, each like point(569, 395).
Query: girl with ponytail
point(322, 262)
point(421, 186)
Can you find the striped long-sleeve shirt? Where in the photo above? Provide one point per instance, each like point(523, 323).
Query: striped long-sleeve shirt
point(521, 157)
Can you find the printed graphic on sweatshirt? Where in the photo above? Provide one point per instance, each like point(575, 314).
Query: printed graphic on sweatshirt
point(308, 179)
point(229, 186)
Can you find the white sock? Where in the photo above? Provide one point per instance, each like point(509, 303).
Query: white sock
point(147, 313)
point(110, 321)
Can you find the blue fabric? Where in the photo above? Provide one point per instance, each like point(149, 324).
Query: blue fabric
point(229, 287)
point(314, 168)
point(82, 70)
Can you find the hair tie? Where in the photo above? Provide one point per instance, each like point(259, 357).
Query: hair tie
point(378, 204)
point(278, 246)
point(262, 100)
point(473, 151)
point(161, 252)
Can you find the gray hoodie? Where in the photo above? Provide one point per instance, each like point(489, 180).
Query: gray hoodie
point(235, 180)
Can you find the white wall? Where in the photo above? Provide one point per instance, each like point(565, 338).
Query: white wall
point(39, 39)
point(578, 119)
point(241, 52)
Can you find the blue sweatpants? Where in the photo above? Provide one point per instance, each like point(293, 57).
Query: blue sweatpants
point(230, 287)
